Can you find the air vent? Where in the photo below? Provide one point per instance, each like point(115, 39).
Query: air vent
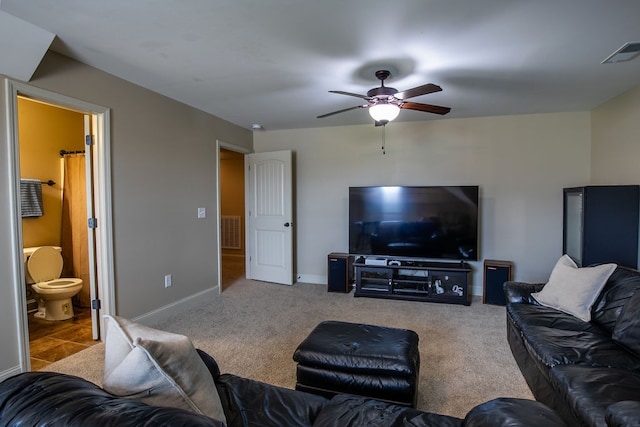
point(626, 53)
point(230, 232)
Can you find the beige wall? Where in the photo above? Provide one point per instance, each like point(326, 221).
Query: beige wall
point(44, 130)
point(163, 169)
point(521, 164)
point(616, 140)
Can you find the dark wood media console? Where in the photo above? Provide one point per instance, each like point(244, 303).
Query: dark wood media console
point(446, 282)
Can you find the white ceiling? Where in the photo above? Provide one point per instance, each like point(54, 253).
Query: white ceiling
point(21, 55)
point(274, 61)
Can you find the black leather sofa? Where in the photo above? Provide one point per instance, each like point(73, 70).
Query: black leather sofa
point(585, 370)
point(53, 399)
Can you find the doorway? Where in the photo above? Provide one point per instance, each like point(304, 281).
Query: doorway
point(100, 240)
point(231, 212)
point(267, 192)
point(51, 147)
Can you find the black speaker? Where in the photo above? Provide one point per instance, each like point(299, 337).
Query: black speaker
point(339, 273)
point(495, 274)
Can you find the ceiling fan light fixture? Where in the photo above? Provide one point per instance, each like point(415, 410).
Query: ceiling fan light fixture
point(384, 102)
point(384, 112)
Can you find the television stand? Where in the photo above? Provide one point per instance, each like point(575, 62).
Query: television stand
point(445, 282)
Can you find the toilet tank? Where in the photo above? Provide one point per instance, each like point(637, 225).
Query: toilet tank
point(27, 252)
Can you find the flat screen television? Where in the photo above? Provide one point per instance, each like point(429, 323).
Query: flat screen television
point(416, 222)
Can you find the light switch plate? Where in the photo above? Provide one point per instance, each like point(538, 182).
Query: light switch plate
point(202, 213)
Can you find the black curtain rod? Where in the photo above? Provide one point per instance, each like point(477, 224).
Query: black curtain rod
point(63, 152)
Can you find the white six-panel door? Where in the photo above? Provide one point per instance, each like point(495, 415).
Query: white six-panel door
point(270, 217)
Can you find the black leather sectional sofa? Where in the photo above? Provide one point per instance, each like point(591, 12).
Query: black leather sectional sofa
point(588, 371)
point(52, 399)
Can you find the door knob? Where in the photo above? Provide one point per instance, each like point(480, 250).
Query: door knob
point(286, 224)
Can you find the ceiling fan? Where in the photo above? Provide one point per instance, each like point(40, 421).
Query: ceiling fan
point(384, 103)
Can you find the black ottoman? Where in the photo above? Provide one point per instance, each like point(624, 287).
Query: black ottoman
point(372, 361)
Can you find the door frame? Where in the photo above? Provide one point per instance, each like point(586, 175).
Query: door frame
point(102, 200)
point(238, 149)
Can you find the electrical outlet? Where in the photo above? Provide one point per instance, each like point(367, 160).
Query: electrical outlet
point(167, 281)
point(202, 213)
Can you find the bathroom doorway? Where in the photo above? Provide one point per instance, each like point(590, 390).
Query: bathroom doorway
point(52, 156)
point(231, 214)
point(84, 328)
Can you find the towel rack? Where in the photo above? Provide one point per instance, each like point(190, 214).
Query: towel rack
point(63, 152)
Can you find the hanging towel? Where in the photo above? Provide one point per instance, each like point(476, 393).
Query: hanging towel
point(31, 198)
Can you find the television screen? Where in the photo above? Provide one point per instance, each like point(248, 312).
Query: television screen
point(420, 222)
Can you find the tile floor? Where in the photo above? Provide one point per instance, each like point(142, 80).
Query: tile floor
point(51, 341)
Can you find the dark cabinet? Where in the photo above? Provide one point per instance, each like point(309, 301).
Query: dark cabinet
point(415, 280)
point(601, 224)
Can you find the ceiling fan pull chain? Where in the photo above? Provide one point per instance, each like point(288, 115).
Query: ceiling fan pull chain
point(383, 139)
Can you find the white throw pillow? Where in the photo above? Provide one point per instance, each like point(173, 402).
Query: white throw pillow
point(574, 290)
point(158, 368)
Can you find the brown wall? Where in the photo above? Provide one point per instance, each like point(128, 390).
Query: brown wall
point(232, 191)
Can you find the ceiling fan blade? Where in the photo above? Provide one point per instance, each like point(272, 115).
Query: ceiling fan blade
point(417, 91)
point(340, 92)
point(427, 108)
point(342, 111)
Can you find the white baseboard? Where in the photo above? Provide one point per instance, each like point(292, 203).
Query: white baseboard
point(10, 372)
point(312, 278)
point(159, 314)
point(477, 289)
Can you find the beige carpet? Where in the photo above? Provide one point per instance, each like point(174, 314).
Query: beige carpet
point(253, 328)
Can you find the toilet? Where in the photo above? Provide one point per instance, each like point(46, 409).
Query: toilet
point(44, 266)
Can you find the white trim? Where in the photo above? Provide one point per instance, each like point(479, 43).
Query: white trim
point(17, 257)
point(56, 99)
point(248, 273)
point(163, 313)
point(218, 215)
point(10, 372)
point(311, 278)
point(103, 211)
point(102, 191)
point(232, 147)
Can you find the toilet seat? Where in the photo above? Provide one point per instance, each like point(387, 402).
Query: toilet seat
point(45, 264)
point(58, 284)
point(45, 267)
